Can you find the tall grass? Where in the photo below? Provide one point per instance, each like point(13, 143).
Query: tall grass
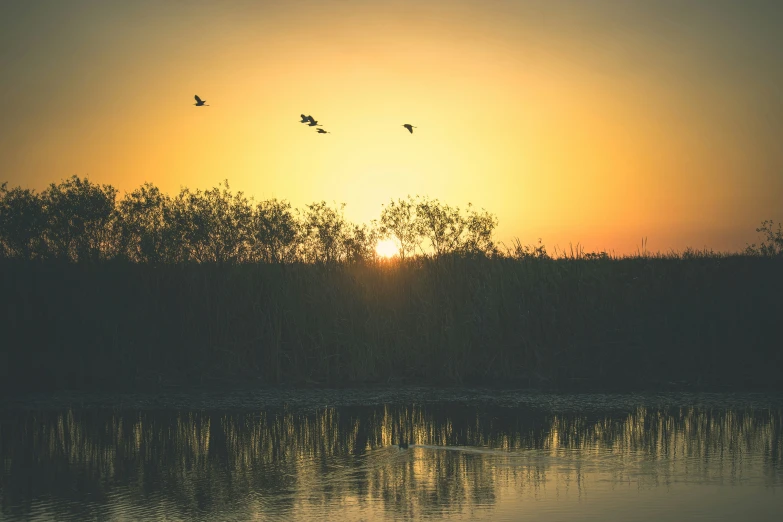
point(599, 322)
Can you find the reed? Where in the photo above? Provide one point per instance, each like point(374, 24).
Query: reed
point(702, 320)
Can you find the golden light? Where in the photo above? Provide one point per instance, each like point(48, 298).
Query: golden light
point(386, 248)
point(489, 87)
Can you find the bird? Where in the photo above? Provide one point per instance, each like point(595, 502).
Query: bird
point(304, 119)
point(200, 102)
point(321, 131)
point(409, 127)
point(313, 123)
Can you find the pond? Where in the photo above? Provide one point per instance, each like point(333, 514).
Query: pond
point(475, 454)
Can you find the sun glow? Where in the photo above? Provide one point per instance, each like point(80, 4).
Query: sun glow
point(386, 248)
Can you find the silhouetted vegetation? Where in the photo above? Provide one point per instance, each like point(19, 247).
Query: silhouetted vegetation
point(81, 221)
point(772, 240)
point(209, 285)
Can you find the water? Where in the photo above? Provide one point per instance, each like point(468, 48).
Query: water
point(331, 455)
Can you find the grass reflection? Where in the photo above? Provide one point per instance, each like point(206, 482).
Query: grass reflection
point(278, 462)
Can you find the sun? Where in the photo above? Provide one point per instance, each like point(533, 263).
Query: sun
point(386, 248)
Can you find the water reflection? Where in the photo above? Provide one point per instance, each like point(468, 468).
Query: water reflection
point(343, 462)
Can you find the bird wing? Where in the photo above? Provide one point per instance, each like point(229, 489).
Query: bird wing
point(311, 119)
point(197, 98)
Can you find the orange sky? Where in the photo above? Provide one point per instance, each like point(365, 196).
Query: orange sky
point(594, 122)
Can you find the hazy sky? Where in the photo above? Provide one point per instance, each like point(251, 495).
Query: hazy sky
point(596, 122)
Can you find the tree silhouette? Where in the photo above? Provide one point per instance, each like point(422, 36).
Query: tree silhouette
point(213, 225)
point(772, 240)
point(79, 217)
point(275, 232)
point(22, 221)
point(78, 220)
point(441, 224)
point(145, 232)
point(359, 243)
point(325, 231)
point(398, 222)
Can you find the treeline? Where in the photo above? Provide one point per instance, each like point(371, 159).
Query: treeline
point(78, 220)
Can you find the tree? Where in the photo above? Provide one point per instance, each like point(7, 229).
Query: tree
point(79, 220)
point(479, 227)
point(441, 224)
point(772, 240)
point(142, 217)
point(21, 222)
point(324, 230)
point(398, 222)
point(79, 217)
point(275, 232)
point(213, 225)
point(359, 244)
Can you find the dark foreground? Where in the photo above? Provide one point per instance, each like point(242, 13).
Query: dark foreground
point(333, 455)
point(691, 322)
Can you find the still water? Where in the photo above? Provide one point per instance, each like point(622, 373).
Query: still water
point(332, 455)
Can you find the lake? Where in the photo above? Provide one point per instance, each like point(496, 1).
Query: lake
point(475, 454)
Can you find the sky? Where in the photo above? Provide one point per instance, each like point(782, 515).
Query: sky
point(591, 122)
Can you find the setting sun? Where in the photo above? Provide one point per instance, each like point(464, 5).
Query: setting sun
point(386, 248)
point(319, 259)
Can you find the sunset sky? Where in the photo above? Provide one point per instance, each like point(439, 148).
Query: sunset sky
point(596, 122)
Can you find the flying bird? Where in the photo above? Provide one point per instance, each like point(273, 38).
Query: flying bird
point(321, 131)
point(409, 127)
point(313, 123)
point(200, 102)
point(304, 119)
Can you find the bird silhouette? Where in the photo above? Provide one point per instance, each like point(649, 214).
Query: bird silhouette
point(200, 102)
point(409, 127)
point(321, 131)
point(313, 123)
point(304, 119)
